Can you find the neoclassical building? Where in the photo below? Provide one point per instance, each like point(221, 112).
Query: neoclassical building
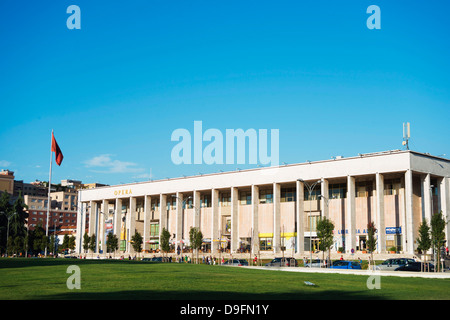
point(267, 210)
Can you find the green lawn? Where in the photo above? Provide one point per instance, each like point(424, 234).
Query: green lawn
point(33, 278)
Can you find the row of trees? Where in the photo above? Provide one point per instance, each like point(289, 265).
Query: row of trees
point(430, 236)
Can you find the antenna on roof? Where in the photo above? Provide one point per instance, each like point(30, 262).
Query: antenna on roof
point(406, 134)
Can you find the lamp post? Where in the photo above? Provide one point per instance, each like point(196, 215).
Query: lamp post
point(310, 188)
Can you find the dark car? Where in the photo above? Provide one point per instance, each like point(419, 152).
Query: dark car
point(282, 262)
point(416, 266)
point(394, 263)
point(236, 262)
point(342, 264)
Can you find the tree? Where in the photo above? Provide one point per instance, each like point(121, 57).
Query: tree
point(165, 237)
point(437, 236)
point(39, 239)
point(325, 229)
point(136, 242)
point(196, 239)
point(5, 211)
point(86, 241)
point(423, 240)
point(92, 243)
point(371, 239)
point(18, 217)
point(112, 243)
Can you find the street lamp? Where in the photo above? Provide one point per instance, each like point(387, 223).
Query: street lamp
point(310, 188)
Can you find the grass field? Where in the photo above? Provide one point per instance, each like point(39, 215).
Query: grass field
point(35, 279)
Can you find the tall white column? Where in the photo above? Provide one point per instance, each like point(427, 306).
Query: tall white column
point(276, 218)
point(80, 226)
point(234, 219)
point(350, 239)
point(118, 219)
point(163, 221)
point(215, 221)
point(197, 208)
point(379, 180)
point(131, 223)
point(255, 223)
point(444, 188)
point(147, 218)
point(179, 222)
point(427, 199)
point(300, 198)
point(102, 231)
point(324, 200)
point(409, 219)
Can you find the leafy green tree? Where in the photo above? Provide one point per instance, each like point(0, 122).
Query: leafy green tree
point(72, 243)
point(424, 240)
point(18, 217)
point(165, 237)
point(196, 239)
point(371, 239)
point(5, 211)
point(112, 243)
point(39, 239)
point(438, 236)
point(136, 242)
point(86, 242)
point(325, 229)
point(92, 243)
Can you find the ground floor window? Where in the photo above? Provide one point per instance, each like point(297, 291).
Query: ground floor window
point(265, 244)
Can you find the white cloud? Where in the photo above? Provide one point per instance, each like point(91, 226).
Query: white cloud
point(4, 163)
point(111, 166)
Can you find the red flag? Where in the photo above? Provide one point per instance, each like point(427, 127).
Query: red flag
point(55, 148)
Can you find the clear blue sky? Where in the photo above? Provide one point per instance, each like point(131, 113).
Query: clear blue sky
point(114, 91)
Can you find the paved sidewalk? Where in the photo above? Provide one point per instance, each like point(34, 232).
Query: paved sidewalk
point(438, 275)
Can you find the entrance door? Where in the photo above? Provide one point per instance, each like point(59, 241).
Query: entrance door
point(362, 243)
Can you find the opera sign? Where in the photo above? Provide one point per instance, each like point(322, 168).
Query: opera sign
point(122, 192)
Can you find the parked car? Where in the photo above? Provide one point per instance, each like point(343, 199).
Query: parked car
point(236, 262)
point(343, 264)
point(394, 263)
point(416, 266)
point(283, 262)
point(316, 264)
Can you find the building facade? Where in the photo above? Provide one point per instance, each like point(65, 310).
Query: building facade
point(277, 208)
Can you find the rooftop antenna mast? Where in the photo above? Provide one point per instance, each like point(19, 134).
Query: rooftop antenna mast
point(406, 134)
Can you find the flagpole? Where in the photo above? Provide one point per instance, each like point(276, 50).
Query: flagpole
point(49, 187)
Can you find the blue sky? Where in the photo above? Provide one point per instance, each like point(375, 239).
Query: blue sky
point(115, 90)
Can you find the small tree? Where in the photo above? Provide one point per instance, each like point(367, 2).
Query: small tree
point(325, 229)
point(196, 239)
point(423, 240)
point(86, 241)
point(165, 237)
point(437, 236)
point(136, 242)
point(92, 243)
point(371, 239)
point(112, 243)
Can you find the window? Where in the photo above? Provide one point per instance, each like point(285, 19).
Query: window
point(265, 244)
point(288, 194)
point(363, 189)
point(205, 201)
point(155, 204)
point(154, 230)
point(392, 187)
point(337, 191)
point(245, 197)
point(266, 196)
point(314, 194)
point(225, 199)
